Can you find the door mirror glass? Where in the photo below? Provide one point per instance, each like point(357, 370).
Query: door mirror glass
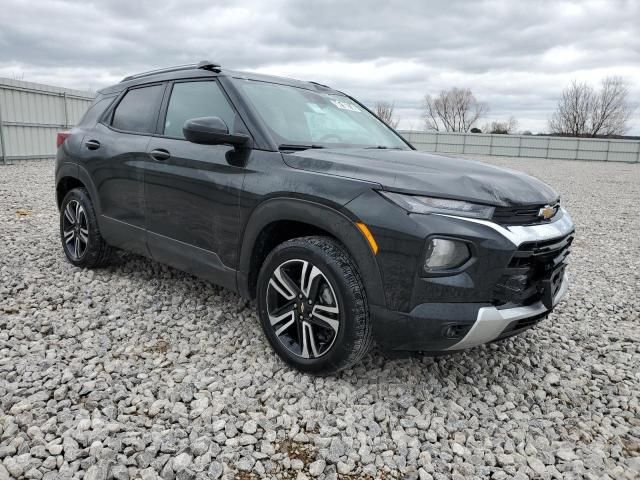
point(211, 131)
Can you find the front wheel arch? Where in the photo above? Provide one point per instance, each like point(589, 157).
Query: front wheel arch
point(320, 220)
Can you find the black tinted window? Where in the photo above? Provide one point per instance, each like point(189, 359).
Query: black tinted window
point(137, 110)
point(194, 100)
point(95, 110)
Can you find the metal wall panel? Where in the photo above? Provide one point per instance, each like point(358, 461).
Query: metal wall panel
point(479, 139)
point(620, 146)
point(477, 149)
point(31, 114)
point(592, 145)
point(569, 148)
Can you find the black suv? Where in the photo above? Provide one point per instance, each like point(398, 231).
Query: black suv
point(296, 195)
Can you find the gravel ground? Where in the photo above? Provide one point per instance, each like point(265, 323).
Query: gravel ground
point(140, 371)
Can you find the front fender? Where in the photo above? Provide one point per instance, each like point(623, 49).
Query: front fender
point(336, 223)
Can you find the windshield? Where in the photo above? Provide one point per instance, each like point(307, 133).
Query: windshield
point(301, 117)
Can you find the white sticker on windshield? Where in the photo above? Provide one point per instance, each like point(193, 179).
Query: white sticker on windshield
point(345, 106)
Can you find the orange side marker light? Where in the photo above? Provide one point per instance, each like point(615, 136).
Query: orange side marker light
point(367, 234)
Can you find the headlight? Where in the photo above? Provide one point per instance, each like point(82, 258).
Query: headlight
point(443, 253)
point(418, 204)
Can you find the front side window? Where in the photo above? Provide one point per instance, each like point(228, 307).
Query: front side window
point(299, 116)
point(194, 100)
point(137, 111)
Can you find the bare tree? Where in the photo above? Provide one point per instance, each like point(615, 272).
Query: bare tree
point(508, 127)
point(583, 111)
point(611, 110)
point(384, 110)
point(574, 107)
point(454, 110)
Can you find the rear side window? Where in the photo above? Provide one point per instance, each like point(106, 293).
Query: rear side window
point(94, 112)
point(193, 100)
point(137, 111)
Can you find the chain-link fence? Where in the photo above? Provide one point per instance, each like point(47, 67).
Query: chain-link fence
point(31, 114)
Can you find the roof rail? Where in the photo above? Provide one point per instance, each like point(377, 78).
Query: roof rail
point(320, 84)
point(203, 65)
point(207, 65)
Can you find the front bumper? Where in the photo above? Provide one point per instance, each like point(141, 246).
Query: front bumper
point(494, 323)
point(493, 311)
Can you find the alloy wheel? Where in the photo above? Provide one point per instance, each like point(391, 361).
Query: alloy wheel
point(303, 308)
point(75, 229)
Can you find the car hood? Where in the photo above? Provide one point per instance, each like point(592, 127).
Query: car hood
point(421, 173)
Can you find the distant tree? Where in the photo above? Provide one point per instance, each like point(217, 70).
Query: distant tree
point(453, 110)
point(475, 130)
point(505, 128)
point(384, 110)
point(527, 132)
point(584, 111)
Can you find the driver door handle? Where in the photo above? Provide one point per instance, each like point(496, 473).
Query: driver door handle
point(160, 154)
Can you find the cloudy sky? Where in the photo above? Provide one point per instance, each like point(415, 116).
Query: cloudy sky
point(514, 55)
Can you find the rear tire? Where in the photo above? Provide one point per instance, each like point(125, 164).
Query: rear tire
point(81, 240)
point(312, 305)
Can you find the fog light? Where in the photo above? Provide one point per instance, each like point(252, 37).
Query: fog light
point(443, 253)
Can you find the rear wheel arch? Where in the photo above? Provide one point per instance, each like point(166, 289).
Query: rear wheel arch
point(280, 219)
point(65, 185)
point(78, 178)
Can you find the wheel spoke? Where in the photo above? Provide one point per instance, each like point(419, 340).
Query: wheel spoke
point(69, 214)
point(83, 236)
point(319, 313)
point(286, 314)
point(77, 216)
point(281, 282)
point(308, 341)
point(282, 313)
point(285, 326)
point(69, 235)
point(76, 247)
point(310, 281)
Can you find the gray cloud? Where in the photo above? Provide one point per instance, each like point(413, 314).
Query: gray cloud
point(516, 56)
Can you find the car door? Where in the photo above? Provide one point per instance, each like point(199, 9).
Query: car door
point(114, 154)
point(191, 190)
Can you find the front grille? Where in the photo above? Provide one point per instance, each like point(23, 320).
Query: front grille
point(529, 215)
point(547, 253)
point(534, 267)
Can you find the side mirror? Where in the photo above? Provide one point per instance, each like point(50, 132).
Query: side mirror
point(211, 131)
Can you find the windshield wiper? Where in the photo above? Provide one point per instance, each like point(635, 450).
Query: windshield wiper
point(381, 147)
point(297, 146)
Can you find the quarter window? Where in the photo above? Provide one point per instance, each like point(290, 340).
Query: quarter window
point(96, 109)
point(193, 100)
point(137, 111)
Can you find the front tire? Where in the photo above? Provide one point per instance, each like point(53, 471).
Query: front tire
point(81, 240)
point(312, 305)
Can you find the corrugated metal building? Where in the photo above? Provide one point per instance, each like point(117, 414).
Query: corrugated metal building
point(31, 114)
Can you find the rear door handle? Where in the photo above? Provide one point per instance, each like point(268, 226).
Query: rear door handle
point(160, 154)
point(92, 144)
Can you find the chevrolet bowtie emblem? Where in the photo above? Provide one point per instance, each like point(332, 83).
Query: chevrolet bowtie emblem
point(546, 212)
